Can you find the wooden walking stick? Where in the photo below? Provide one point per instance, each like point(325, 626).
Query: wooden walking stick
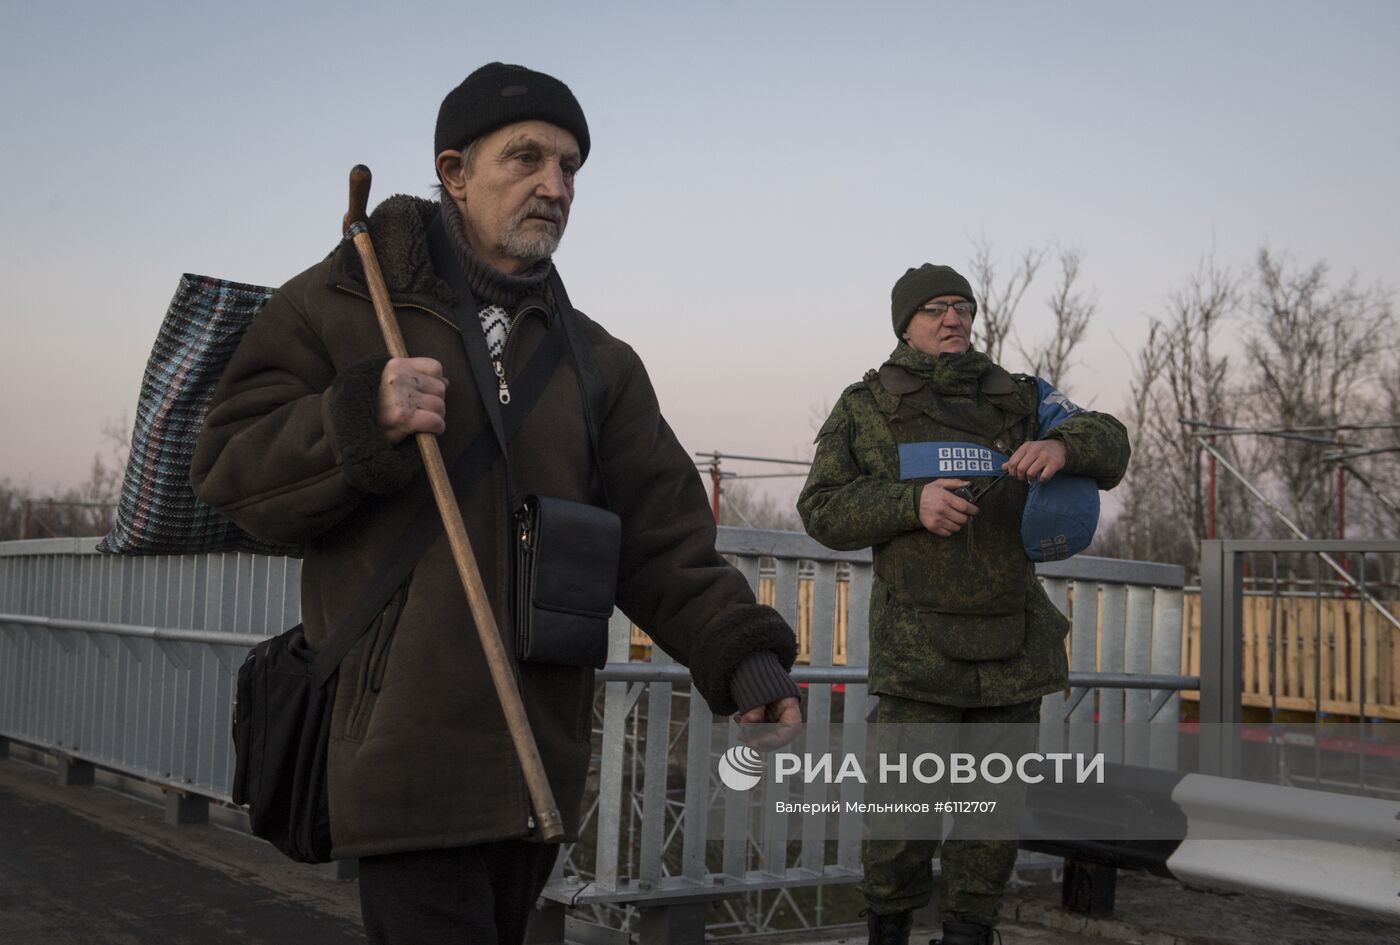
point(546, 811)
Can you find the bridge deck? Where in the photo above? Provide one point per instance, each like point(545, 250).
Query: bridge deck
point(89, 866)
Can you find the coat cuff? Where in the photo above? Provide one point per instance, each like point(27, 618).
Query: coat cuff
point(369, 462)
point(760, 680)
point(917, 491)
point(729, 641)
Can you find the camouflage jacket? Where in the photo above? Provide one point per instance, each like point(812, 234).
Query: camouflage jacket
point(957, 620)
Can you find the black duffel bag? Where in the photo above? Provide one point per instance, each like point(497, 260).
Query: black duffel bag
point(281, 728)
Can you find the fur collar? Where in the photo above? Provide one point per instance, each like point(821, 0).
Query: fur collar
point(399, 228)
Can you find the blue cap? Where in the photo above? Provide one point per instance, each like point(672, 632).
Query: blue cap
point(1060, 517)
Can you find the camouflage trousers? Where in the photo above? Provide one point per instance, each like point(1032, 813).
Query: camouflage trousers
point(977, 857)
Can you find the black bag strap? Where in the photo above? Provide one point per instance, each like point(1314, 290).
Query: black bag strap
point(474, 463)
point(493, 399)
point(591, 389)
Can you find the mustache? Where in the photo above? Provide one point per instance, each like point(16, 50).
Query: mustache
point(542, 209)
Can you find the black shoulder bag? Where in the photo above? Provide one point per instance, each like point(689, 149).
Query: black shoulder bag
point(286, 691)
point(566, 552)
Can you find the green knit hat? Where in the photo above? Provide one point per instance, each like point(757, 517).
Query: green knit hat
point(917, 286)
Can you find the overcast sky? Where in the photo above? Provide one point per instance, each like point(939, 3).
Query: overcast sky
point(761, 173)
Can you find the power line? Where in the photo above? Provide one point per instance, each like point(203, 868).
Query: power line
point(754, 459)
point(718, 475)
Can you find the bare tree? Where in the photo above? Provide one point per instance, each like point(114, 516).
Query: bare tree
point(1180, 372)
point(83, 510)
point(1316, 359)
point(1142, 529)
point(12, 499)
point(116, 441)
point(1072, 308)
point(741, 504)
point(816, 418)
point(997, 301)
point(1315, 356)
point(1194, 375)
point(1377, 514)
point(1383, 469)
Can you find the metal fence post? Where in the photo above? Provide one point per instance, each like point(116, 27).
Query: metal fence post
point(1168, 607)
point(1222, 593)
point(681, 924)
point(615, 709)
point(183, 810)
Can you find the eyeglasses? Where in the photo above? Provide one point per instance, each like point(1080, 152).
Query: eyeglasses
point(936, 309)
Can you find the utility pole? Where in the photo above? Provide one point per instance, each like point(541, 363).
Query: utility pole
point(1342, 508)
point(717, 476)
point(1210, 511)
point(714, 485)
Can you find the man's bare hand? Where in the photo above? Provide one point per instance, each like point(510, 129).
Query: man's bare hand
point(1036, 460)
point(783, 723)
point(940, 511)
point(411, 392)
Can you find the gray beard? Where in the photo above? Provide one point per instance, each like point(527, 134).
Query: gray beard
point(527, 247)
point(517, 244)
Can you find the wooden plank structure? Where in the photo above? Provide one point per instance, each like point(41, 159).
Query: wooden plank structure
point(1312, 642)
point(1304, 653)
point(767, 585)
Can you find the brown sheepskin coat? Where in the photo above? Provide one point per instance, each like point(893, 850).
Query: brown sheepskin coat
point(420, 757)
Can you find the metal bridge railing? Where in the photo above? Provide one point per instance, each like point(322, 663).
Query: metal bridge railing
point(664, 837)
point(1307, 655)
point(129, 663)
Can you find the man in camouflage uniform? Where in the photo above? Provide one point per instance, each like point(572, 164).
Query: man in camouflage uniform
point(960, 629)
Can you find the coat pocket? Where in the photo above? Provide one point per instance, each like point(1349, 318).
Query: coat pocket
point(976, 638)
point(369, 674)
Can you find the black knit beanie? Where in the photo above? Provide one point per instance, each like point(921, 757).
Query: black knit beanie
point(498, 94)
point(917, 286)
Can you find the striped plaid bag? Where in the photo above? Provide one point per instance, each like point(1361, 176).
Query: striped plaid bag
point(158, 512)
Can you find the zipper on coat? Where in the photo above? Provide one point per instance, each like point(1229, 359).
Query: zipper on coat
point(512, 656)
point(502, 388)
point(499, 364)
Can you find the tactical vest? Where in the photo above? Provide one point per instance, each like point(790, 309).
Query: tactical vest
point(970, 586)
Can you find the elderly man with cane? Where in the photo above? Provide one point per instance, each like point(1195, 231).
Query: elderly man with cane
point(543, 418)
point(959, 475)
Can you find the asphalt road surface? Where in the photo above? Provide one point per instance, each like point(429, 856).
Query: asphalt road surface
point(88, 866)
point(102, 869)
